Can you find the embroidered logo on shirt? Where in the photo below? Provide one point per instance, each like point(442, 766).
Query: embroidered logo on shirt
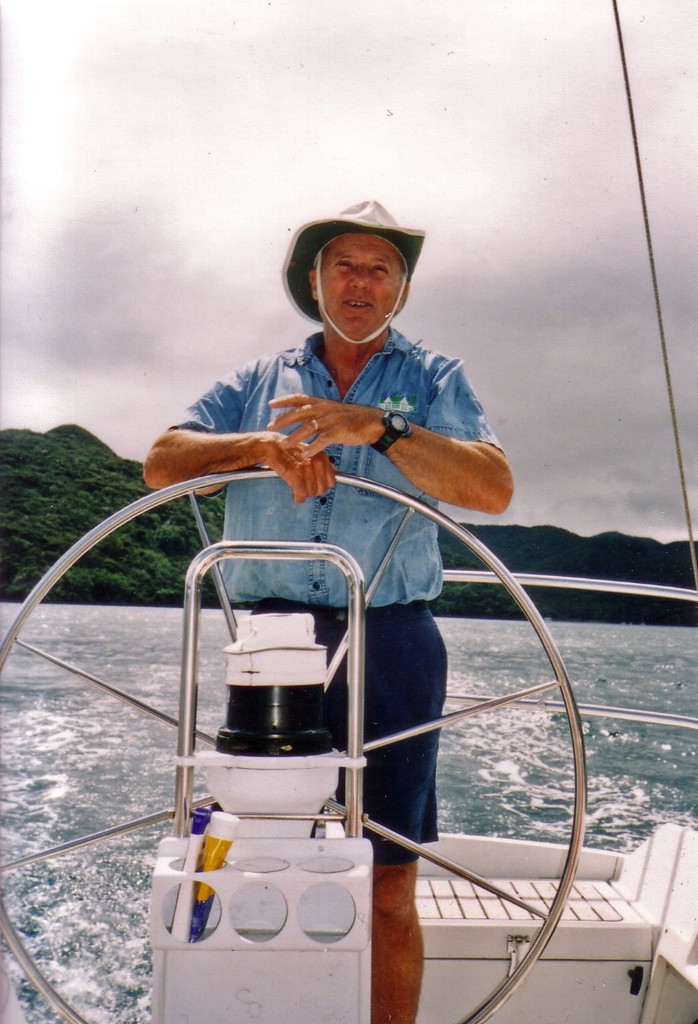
point(398, 403)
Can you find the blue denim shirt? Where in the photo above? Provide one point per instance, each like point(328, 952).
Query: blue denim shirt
point(428, 388)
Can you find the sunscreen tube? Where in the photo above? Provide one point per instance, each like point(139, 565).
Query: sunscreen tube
point(219, 838)
point(193, 861)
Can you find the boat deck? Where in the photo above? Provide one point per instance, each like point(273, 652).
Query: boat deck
point(463, 920)
point(473, 939)
point(628, 918)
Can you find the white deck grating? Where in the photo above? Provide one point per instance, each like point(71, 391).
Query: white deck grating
point(456, 899)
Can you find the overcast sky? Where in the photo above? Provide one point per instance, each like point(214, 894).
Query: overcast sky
point(159, 154)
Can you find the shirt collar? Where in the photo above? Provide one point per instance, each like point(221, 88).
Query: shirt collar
point(307, 352)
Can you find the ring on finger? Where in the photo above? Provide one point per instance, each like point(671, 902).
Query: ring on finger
point(316, 425)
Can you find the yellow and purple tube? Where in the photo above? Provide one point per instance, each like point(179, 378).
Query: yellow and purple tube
point(219, 838)
point(181, 923)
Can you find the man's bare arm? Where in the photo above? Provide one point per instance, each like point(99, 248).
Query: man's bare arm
point(470, 474)
point(179, 455)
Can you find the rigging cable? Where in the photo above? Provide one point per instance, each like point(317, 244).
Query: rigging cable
point(657, 301)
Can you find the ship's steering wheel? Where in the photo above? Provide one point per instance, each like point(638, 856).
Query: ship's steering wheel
point(549, 920)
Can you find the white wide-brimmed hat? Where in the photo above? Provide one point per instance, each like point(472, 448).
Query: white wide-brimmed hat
point(369, 218)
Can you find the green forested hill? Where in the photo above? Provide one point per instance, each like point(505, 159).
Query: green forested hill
point(58, 485)
point(552, 551)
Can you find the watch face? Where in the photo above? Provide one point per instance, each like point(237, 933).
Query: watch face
point(398, 422)
point(396, 427)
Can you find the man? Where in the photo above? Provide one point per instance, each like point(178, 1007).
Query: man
point(357, 398)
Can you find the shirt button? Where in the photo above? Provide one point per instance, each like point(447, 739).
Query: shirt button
point(316, 585)
point(317, 539)
point(323, 500)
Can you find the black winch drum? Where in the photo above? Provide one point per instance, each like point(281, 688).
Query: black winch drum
point(276, 681)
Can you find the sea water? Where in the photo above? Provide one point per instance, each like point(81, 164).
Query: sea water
point(76, 761)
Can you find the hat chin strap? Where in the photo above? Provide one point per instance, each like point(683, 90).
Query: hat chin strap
point(325, 315)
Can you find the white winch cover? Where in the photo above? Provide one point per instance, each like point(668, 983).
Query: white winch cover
point(277, 649)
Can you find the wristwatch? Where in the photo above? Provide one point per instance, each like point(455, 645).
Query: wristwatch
point(396, 426)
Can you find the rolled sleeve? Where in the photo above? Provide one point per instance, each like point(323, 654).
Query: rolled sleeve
point(454, 408)
point(220, 410)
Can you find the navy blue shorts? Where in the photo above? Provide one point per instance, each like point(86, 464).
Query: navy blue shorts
point(405, 685)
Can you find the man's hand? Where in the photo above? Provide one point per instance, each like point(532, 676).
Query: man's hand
point(308, 475)
point(326, 422)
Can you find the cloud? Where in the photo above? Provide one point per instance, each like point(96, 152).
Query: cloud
point(162, 154)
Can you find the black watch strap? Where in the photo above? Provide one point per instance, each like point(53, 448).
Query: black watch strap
point(396, 426)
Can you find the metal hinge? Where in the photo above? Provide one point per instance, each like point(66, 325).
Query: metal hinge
point(517, 947)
